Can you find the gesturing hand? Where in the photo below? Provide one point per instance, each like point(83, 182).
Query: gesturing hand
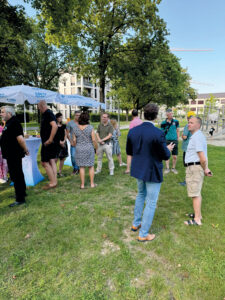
point(171, 146)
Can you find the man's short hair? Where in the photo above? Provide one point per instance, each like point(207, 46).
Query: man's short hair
point(105, 113)
point(9, 109)
point(169, 110)
point(77, 112)
point(151, 111)
point(199, 120)
point(134, 113)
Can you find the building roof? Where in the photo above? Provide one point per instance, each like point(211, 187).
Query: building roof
point(206, 96)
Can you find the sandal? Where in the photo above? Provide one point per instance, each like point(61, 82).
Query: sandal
point(191, 222)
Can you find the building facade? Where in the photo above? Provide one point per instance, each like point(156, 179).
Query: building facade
point(198, 104)
point(74, 84)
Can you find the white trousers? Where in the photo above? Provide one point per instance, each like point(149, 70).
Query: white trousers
point(107, 148)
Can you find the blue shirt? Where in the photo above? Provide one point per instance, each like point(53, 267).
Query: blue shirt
point(188, 134)
point(197, 143)
point(170, 129)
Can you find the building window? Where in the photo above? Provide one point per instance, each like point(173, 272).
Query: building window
point(223, 101)
point(73, 91)
point(193, 108)
point(201, 102)
point(193, 102)
point(96, 94)
point(72, 80)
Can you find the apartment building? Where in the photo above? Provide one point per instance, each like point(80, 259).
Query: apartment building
point(199, 103)
point(75, 84)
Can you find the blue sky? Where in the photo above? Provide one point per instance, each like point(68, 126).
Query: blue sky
point(193, 24)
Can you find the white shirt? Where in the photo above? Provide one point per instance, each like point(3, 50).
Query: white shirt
point(197, 143)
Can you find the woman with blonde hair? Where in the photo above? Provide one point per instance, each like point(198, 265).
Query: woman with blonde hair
point(115, 142)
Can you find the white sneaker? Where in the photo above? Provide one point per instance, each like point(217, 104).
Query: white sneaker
point(2, 180)
point(123, 164)
point(97, 172)
point(166, 171)
point(111, 173)
point(174, 171)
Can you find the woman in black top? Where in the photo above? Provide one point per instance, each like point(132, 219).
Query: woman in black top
point(60, 140)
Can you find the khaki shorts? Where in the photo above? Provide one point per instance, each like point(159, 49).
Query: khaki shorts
point(194, 180)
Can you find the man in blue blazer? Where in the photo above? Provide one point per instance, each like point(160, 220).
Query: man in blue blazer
point(147, 146)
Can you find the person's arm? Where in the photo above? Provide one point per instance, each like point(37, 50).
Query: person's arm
point(178, 133)
point(107, 137)
point(53, 132)
point(22, 144)
point(93, 137)
point(68, 135)
point(74, 140)
point(204, 163)
point(98, 137)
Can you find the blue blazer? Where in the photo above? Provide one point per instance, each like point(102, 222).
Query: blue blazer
point(147, 146)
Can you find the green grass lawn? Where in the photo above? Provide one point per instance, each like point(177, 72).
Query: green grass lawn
point(69, 243)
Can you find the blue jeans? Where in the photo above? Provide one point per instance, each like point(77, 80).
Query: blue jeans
point(147, 192)
point(73, 153)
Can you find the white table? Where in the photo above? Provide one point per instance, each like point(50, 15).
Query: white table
point(29, 163)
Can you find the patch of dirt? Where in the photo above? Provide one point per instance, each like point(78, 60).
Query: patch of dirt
point(140, 281)
point(109, 247)
point(111, 285)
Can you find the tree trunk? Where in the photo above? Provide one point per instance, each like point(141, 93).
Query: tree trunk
point(127, 111)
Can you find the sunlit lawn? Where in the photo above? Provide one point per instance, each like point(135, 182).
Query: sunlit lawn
point(69, 243)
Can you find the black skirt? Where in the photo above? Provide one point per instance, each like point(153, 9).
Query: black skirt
point(62, 152)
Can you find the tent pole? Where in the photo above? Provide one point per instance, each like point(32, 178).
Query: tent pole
point(25, 123)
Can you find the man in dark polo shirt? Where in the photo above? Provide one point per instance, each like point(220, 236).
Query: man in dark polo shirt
point(104, 134)
point(49, 148)
point(14, 149)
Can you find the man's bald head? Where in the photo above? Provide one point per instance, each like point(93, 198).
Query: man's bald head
point(42, 106)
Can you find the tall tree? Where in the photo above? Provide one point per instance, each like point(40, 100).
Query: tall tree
point(14, 32)
point(151, 74)
point(96, 30)
point(43, 64)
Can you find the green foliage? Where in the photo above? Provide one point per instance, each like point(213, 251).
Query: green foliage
point(43, 64)
point(14, 31)
point(150, 74)
point(96, 31)
point(96, 117)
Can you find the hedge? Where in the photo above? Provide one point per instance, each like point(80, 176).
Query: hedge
point(96, 117)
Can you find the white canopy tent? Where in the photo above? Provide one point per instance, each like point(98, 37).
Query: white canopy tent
point(18, 94)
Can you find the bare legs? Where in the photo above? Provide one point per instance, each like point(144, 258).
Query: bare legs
point(51, 171)
point(173, 163)
point(61, 164)
point(91, 175)
point(197, 203)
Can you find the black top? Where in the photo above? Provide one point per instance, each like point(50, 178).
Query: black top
point(60, 134)
point(9, 144)
point(46, 127)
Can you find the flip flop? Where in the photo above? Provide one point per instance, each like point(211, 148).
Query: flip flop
point(191, 223)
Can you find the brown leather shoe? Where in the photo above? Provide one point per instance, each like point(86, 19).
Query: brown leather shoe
point(134, 228)
point(148, 238)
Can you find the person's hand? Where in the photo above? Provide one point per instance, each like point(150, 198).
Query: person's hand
point(62, 143)
point(48, 142)
point(208, 173)
point(27, 152)
point(171, 146)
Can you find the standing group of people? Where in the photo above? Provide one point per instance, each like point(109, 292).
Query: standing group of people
point(147, 146)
